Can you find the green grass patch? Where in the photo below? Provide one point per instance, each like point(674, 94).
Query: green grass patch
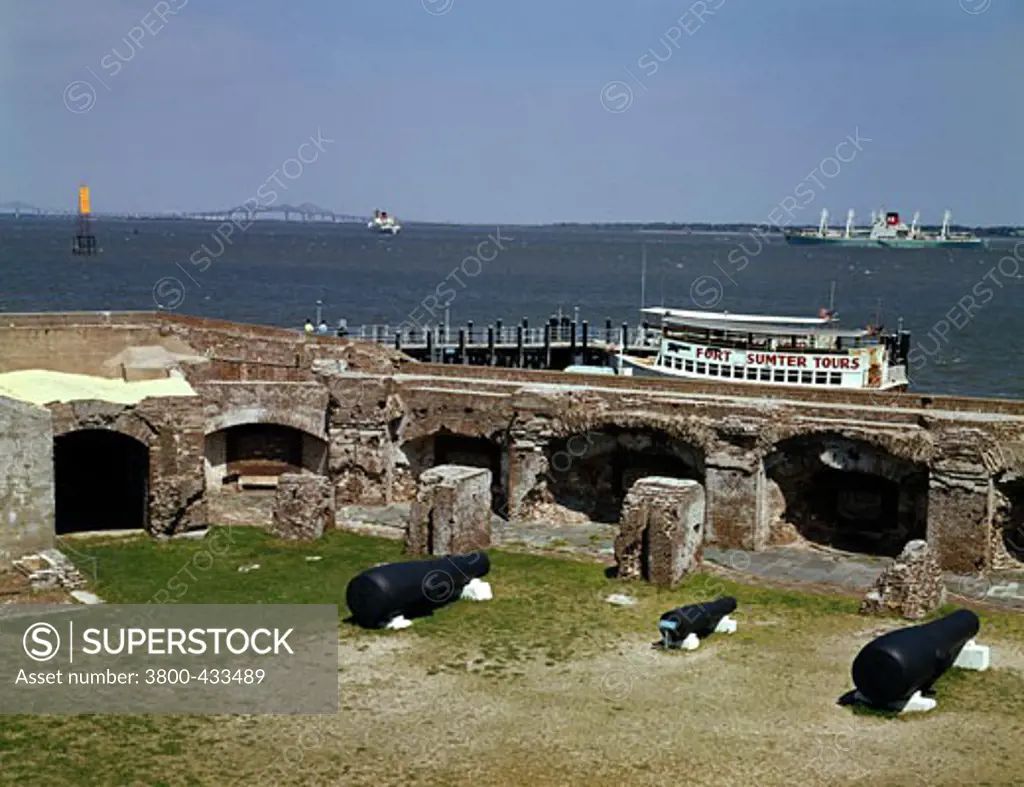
point(546, 613)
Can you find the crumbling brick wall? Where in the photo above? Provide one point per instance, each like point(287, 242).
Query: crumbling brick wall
point(26, 480)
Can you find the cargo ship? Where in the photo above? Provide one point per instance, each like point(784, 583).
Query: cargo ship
point(806, 352)
point(887, 231)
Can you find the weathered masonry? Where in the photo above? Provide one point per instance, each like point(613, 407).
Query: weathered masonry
point(777, 466)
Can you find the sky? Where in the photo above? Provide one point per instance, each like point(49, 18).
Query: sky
point(519, 111)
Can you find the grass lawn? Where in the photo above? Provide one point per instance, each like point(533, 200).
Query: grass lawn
point(546, 684)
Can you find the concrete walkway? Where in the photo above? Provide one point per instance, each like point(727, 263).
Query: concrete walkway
point(853, 573)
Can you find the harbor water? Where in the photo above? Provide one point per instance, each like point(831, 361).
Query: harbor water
point(963, 306)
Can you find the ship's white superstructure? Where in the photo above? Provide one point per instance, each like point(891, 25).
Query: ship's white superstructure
point(773, 350)
point(383, 223)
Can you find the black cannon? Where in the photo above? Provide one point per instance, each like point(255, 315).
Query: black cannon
point(411, 589)
point(699, 619)
point(889, 670)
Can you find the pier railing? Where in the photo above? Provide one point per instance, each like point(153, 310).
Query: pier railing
point(560, 335)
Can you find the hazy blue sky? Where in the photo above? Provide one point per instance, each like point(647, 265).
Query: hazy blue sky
point(491, 110)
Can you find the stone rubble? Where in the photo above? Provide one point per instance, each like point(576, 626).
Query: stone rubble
point(911, 587)
point(50, 569)
point(304, 507)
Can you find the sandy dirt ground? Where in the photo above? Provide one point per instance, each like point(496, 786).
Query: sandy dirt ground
point(725, 714)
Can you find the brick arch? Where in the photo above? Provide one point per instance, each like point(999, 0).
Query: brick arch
point(129, 424)
point(473, 424)
point(686, 430)
point(913, 447)
point(311, 423)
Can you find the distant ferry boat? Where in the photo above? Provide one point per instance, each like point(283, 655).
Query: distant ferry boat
point(810, 352)
point(383, 223)
point(886, 231)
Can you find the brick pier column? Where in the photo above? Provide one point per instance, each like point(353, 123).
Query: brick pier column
point(735, 490)
point(526, 462)
point(960, 520)
point(177, 480)
point(452, 512)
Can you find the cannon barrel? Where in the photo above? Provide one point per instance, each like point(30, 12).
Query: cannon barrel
point(418, 586)
point(890, 669)
point(699, 619)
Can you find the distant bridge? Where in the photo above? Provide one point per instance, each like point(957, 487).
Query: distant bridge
point(307, 211)
point(17, 208)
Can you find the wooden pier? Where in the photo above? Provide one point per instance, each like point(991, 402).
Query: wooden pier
point(557, 344)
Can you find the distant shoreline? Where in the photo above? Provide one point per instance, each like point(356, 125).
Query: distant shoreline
point(650, 228)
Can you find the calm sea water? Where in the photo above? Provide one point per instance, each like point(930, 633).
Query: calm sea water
point(275, 272)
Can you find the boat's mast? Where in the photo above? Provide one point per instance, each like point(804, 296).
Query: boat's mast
point(849, 222)
point(913, 224)
point(823, 226)
point(946, 217)
point(643, 274)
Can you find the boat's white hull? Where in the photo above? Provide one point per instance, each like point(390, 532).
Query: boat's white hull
point(644, 367)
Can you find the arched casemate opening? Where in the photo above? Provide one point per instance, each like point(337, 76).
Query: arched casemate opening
point(101, 481)
point(1009, 514)
point(449, 448)
point(257, 454)
point(845, 493)
point(590, 473)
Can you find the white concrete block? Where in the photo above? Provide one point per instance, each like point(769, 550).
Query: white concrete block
point(398, 622)
point(477, 590)
point(973, 656)
point(726, 626)
point(916, 704)
point(692, 642)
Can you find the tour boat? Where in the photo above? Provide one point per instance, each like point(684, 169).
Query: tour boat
point(809, 352)
point(383, 223)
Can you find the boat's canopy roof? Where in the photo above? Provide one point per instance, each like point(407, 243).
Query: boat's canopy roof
point(730, 320)
point(753, 323)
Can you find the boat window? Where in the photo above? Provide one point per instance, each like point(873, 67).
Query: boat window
point(713, 369)
point(780, 376)
point(702, 368)
point(821, 378)
point(793, 376)
point(678, 363)
point(805, 378)
point(726, 371)
point(737, 371)
point(766, 375)
point(835, 378)
point(689, 366)
point(751, 373)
